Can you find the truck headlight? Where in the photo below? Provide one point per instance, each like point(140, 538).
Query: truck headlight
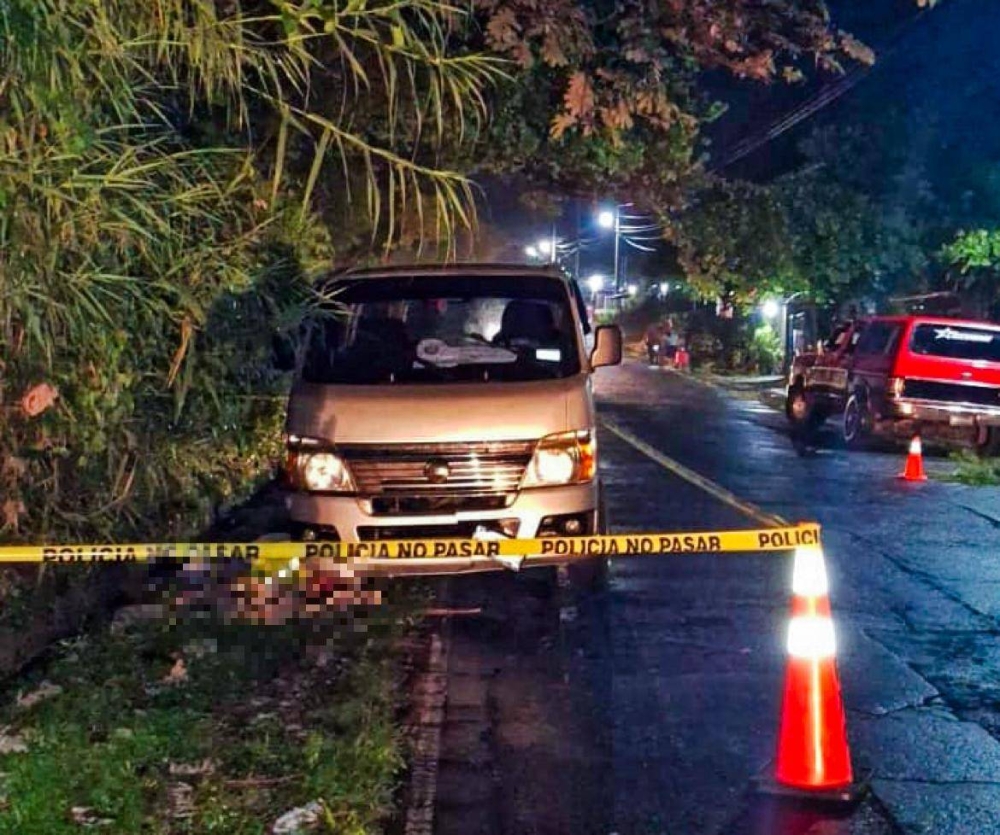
point(566, 458)
point(320, 472)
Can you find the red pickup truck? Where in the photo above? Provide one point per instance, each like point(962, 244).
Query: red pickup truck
point(901, 374)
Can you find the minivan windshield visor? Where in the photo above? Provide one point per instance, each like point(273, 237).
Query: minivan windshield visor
point(959, 342)
point(384, 331)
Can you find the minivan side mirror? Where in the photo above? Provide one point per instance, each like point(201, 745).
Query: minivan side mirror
point(607, 346)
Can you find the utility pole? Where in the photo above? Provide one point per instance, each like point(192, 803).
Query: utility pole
point(618, 236)
point(579, 235)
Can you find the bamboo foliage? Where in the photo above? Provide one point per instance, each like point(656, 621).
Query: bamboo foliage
point(159, 166)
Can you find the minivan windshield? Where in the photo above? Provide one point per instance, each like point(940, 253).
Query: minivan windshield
point(434, 329)
point(956, 342)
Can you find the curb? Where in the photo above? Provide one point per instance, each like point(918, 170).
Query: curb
point(772, 397)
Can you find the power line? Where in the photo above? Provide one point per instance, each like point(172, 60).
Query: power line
point(827, 95)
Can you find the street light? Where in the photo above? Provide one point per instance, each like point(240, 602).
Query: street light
point(787, 337)
point(632, 289)
point(664, 288)
point(770, 308)
point(596, 284)
point(612, 219)
point(545, 249)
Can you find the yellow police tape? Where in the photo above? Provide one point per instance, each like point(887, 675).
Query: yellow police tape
point(548, 549)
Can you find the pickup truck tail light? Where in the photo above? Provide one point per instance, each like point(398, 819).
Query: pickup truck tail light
point(897, 385)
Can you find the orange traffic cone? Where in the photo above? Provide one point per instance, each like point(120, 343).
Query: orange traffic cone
point(813, 758)
point(914, 470)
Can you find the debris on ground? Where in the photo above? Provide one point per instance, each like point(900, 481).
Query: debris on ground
point(195, 722)
point(178, 672)
point(12, 743)
point(45, 690)
point(298, 820)
point(85, 816)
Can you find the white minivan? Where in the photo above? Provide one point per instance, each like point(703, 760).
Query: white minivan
point(446, 402)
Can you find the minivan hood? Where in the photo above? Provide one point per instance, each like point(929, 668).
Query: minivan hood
point(438, 414)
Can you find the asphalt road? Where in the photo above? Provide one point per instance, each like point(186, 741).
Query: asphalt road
point(649, 708)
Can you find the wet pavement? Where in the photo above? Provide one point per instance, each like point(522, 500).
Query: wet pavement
point(649, 708)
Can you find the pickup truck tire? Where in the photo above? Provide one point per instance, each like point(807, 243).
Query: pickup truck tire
point(801, 412)
point(987, 441)
point(856, 427)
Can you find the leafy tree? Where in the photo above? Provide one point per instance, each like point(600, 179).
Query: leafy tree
point(976, 254)
point(606, 97)
point(733, 241)
point(978, 249)
point(845, 244)
point(836, 228)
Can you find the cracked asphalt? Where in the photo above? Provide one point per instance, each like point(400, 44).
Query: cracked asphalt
point(650, 708)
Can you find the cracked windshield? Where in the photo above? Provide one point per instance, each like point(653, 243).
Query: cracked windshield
point(499, 417)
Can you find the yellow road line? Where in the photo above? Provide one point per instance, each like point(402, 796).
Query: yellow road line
point(717, 491)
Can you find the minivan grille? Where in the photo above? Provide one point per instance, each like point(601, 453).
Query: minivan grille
point(952, 392)
point(481, 469)
point(393, 505)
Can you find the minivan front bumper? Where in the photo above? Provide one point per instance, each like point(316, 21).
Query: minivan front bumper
point(347, 518)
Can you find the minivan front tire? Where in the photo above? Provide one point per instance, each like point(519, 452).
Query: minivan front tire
point(591, 575)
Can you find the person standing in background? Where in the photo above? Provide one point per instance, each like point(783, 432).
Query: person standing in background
point(670, 340)
point(654, 335)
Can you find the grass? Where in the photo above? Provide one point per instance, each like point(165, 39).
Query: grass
point(252, 722)
point(973, 470)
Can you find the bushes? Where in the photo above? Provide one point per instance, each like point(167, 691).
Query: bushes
point(159, 167)
point(733, 345)
point(706, 351)
point(149, 329)
point(764, 354)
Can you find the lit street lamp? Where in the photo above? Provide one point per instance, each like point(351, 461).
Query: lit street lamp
point(596, 284)
point(636, 230)
point(608, 219)
point(779, 309)
point(546, 249)
point(632, 290)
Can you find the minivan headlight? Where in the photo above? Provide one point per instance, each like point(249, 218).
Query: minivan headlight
point(320, 472)
point(566, 458)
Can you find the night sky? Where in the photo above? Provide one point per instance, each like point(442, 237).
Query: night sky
point(938, 76)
